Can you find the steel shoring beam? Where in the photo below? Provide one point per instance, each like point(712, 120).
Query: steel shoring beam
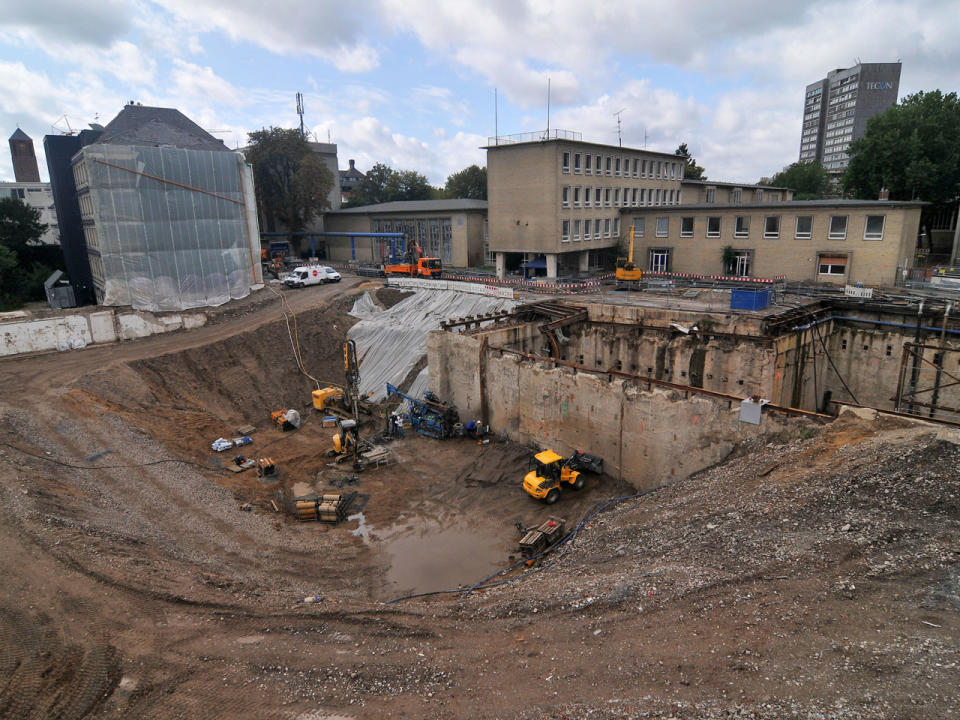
point(919, 356)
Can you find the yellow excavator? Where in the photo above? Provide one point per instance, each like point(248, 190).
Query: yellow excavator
point(628, 274)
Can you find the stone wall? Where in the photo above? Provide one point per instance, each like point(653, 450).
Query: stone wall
point(645, 437)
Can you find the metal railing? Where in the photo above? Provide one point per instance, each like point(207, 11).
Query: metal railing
point(536, 136)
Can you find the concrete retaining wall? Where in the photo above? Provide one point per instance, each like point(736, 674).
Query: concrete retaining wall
point(69, 332)
point(645, 437)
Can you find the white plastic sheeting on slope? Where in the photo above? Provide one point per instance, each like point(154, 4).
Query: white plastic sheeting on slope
point(391, 342)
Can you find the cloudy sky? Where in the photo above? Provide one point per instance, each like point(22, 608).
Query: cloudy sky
point(411, 82)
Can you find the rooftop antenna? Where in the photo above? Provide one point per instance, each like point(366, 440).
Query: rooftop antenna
point(548, 109)
point(328, 137)
point(300, 111)
point(644, 138)
point(68, 131)
point(619, 135)
point(496, 121)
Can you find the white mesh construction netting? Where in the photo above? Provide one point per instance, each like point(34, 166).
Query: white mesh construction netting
point(391, 342)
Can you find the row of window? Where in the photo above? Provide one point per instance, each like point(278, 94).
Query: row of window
point(840, 123)
point(611, 197)
point(803, 229)
point(80, 174)
point(589, 229)
point(615, 166)
point(832, 267)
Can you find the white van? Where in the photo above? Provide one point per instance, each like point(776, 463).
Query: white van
point(311, 275)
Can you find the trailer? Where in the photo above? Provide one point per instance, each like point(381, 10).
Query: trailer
point(537, 539)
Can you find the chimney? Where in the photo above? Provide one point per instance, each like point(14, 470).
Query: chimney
point(352, 166)
point(884, 194)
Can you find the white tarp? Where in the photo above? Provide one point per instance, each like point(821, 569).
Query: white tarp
point(391, 342)
point(173, 228)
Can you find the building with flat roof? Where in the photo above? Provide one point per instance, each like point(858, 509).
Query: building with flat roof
point(713, 191)
point(555, 200)
point(836, 110)
point(453, 230)
point(833, 241)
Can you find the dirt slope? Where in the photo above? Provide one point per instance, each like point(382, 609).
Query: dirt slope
point(813, 576)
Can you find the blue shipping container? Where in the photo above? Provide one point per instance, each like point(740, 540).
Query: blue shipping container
point(749, 299)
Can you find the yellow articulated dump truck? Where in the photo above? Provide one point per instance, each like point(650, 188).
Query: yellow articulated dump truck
point(550, 472)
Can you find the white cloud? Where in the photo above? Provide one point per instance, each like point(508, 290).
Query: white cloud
point(326, 30)
point(194, 81)
point(120, 58)
point(97, 23)
point(41, 105)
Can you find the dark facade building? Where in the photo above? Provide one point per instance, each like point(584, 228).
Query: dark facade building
point(59, 150)
point(24, 157)
point(836, 110)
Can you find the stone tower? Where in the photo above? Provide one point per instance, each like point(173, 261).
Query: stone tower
point(24, 158)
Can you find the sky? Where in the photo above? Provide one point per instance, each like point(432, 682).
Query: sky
point(412, 83)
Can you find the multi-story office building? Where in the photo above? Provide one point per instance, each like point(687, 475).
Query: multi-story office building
point(836, 110)
point(829, 241)
point(36, 195)
point(555, 201)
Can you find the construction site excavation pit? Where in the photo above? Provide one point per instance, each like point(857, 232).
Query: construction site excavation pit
point(804, 567)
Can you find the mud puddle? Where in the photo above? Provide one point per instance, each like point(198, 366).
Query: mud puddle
point(427, 554)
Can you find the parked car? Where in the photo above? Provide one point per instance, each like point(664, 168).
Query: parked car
point(311, 275)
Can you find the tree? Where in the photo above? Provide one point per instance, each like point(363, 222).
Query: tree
point(410, 185)
point(25, 262)
point(691, 170)
point(292, 181)
point(384, 184)
point(911, 150)
point(808, 180)
point(469, 183)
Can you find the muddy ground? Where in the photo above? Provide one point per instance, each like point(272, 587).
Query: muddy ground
point(815, 575)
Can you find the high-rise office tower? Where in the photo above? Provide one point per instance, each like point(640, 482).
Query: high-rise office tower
point(836, 110)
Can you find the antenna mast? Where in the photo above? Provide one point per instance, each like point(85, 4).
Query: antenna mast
point(548, 108)
point(496, 121)
point(300, 111)
point(619, 135)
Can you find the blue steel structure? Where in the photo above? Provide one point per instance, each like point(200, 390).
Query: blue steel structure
point(394, 238)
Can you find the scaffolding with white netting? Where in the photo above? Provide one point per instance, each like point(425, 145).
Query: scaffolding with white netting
point(172, 228)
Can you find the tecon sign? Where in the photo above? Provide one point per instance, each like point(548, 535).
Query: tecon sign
point(880, 85)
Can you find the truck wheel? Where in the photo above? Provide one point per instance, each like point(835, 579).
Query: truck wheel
point(578, 483)
point(552, 497)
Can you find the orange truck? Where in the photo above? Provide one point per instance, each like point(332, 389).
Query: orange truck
point(428, 267)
